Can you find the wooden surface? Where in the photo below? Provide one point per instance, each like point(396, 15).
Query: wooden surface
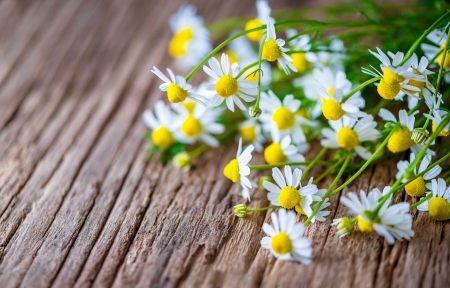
point(80, 205)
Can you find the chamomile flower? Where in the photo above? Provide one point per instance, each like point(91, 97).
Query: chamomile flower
point(280, 152)
point(285, 239)
point(289, 192)
point(227, 86)
point(263, 11)
point(250, 130)
point(438, 38)
point(273, 49)
point(182, 161)
point(190, 42)
point(163, 125)
point(437, 116)
point(302, 45)
point(176, 87)
point(198, 123)
point(401, 139)
point(237, 169)
point(417, 188)
point(439, 205)
point(348, 133)
point(282, 116)
point(391, 222)
point(344, 226)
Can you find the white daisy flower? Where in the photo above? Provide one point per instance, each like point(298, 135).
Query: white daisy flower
point(176, 87)
point(285, 240)
point(227, 86)
point(289, 193)
point(391, 222)
point(263, 11)
point(198, 123)
point(190, 42)
point(182, 161)
point(439, 205)
point(282, 117)
point(237, 169)
point(280, 152)
point(417, 187)
point(163, 125)
point(401, 139)
point(438, 38)
point(273, 49)
point(303, 45)
point(344, 226)
point(250, 130)
point(436, 117)
point(348, 133)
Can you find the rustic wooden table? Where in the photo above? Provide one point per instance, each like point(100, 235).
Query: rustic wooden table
point(81, 206)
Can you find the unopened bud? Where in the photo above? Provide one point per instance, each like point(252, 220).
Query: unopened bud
point(420, 136)
point(182, 160)
point(254, 112)
point(240, 210)
point(344, 226)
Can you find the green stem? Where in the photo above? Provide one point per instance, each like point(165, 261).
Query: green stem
point(328, 171)
point(258, 98)
point(198, 151)
point(314, 161)
point(370, 81)
point(421, 201)
point(261, 209)
point(269, 166)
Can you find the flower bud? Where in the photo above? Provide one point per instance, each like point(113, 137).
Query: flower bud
point(240, 210)
point(420, 136)
point(254, 111)
point(182, 160)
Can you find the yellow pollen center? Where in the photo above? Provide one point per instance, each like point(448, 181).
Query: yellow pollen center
point(162, 137)
point(332, 110)
point(248, 133)
point(191, 127)
point(190, 106)
point(390, 77)
point(299, 209)
point(284, 118)
point(443, 132)
point(439, 208)
point(231, 171)
point(347, 138)
point(232, 57)
point(271, 51)
point(365, 226)
point(416, 188)
point(176, 94)
point(179, 41)
point(331, 91)
point(388, 91)
point(273, 154)
point(289, 197)
point(256, 35)
point(281, 243)
point(415, 83)
point(400, 140)
point(226, 86)
point(300, 62)
point(447, 57)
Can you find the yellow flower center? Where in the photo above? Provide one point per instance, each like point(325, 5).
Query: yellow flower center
point(281, 243)
point(227, 86)
point(299, 209)
point(271, 51)
point(190, 106)
point(331, 109)
point(391, 77)
point(439, 208)
point(347, 138)
point(447, 57)
point(179, 41)
point(284, 118)
point(231, 171)
point(400, 140)
point(415, 83)
point(191, 127)
point(182, 160)
point(176, 94)
point(256, 35)
point(300, 62)
point(289, 197)
point(274, 154)
point(388, 91)
point(248, 133)
point(365, 226)
point(416, 188)
point(162, 137)
point(443, 132)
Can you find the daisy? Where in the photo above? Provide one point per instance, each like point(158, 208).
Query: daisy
point(176, 87)
point(416, 188)
point(163, 125)
point(438, 38)
point(190, 42)
point(282, 117)
point(303, 45)
point(263, 11)
point(289, 192)
point(285, 240)
point(182, 161)
point(250, 130)
point(439, 205)
point(391, 222)
point(344, 226)
point(348, 133)
point(437, 116)
point(280, 152)
point(227, 86)
point(237, 169)
point(198, 123)
point(273, 49)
